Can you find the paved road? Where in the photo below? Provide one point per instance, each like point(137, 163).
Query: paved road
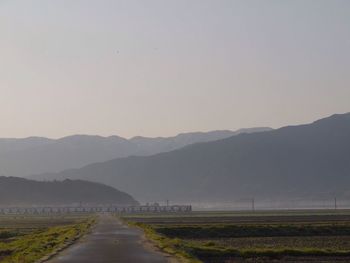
point(110, 241)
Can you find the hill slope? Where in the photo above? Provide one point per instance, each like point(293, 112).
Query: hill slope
point(19, 191)
point(23, 157)
point(310, 160)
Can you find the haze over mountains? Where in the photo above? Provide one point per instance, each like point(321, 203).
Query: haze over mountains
point(305, 161)
point(34, 155)
point(18, 191)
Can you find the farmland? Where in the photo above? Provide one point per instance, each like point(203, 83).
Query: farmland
point(32, 237)
point(261, 236)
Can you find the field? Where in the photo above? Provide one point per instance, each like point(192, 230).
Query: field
point(30, 238)
point(267, 236)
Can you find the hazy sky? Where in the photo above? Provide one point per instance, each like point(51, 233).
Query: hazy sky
point(160, 67)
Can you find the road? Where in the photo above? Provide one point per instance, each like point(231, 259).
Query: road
point(111, 241)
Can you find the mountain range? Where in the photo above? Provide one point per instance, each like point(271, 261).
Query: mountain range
point(34, 155)
point(304, 161)
point(16, 191)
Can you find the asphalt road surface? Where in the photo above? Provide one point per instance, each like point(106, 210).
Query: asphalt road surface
point(110, 241)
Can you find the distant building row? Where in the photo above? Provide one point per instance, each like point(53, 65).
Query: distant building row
point(97, 209)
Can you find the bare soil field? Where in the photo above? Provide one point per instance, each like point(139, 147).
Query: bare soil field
point(262, 236)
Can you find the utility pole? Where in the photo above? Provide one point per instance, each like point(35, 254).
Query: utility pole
point(167, 202)
point(253, 204)
point(335, 203)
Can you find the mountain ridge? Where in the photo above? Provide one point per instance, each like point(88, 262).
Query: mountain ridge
point(21, 191)
point(32, 155)
point(310, 160)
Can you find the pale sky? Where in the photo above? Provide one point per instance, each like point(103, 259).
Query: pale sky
point(161, 67)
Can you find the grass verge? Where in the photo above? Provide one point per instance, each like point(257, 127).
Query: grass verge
point(32, 247)
point(172, 246)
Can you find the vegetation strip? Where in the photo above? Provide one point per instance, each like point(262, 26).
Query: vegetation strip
point(34, 246)
point(168, 239)
point(168, 245)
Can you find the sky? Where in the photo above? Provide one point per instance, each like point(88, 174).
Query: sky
point(162, 67)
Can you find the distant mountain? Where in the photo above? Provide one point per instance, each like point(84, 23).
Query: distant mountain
point(151, 146)
point(23, 157)
point(18, 191)
point(310, 161)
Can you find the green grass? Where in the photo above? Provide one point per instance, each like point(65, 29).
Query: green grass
point(29, 245)
point(296, 242)
point(171, 246)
